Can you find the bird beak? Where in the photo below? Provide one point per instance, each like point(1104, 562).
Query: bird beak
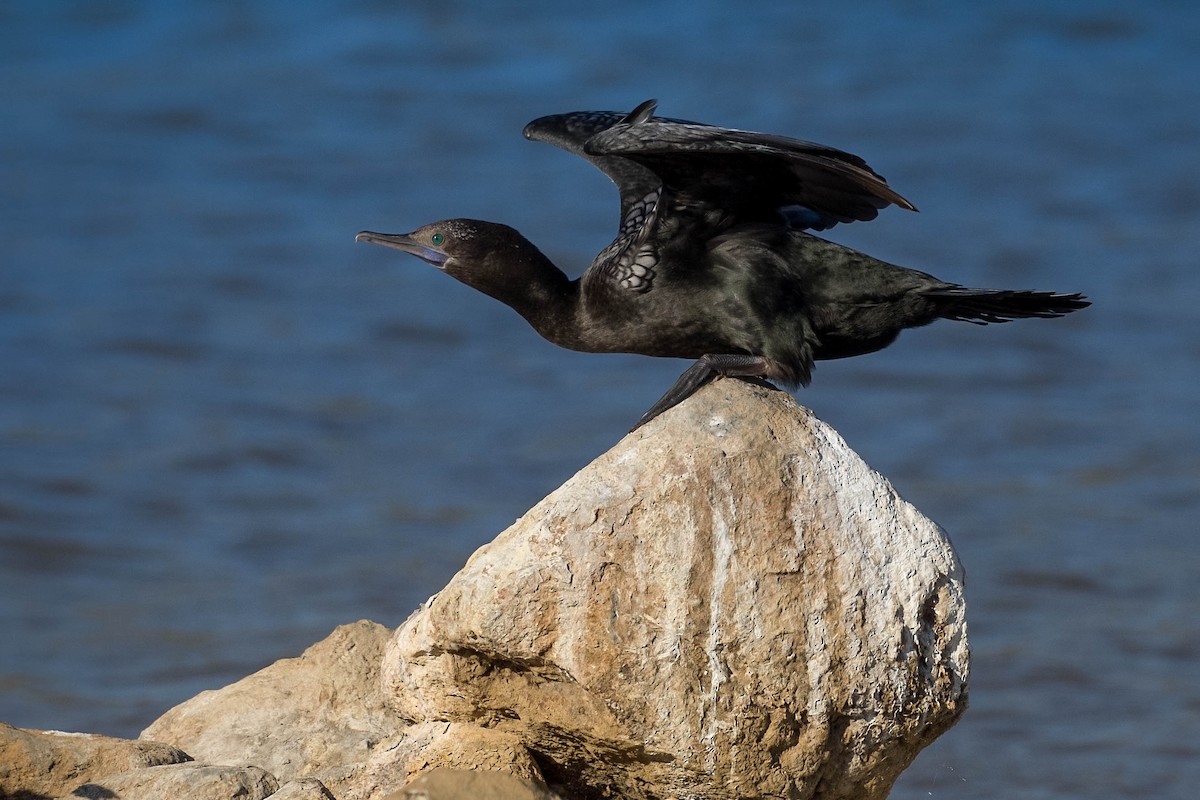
point(408, 244)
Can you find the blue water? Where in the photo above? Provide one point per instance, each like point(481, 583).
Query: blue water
point(225, 428)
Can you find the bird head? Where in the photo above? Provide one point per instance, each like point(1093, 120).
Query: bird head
point(493, 258)
point(433, 244)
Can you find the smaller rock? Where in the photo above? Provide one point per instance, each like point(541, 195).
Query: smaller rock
point(193, 781)
point(445, 783)
point(338, 729)
point(327, 701)
point(52, 763)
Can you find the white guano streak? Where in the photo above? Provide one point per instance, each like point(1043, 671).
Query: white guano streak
point(722, 555)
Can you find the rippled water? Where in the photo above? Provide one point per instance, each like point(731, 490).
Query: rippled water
point(225, 429)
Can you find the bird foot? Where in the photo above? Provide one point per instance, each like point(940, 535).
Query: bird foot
point(705, 369)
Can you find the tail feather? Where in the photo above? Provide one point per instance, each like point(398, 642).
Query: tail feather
point(981, 306)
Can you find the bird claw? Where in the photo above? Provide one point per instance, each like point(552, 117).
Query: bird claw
point(704, 371)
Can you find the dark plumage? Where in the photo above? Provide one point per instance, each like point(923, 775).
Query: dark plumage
point(711, 260)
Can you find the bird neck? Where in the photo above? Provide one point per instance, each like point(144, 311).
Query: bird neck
point(539, 291)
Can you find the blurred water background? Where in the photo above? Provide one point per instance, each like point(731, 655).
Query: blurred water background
point(226, 429)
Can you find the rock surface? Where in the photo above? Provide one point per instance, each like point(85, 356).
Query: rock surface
point(445, 783)
point(727, 604)
point(303, 789)
point(52, 763)
point(320, 715)
point(176, 781)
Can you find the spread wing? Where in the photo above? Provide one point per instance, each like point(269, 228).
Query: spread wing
point(571, 132)
point(749, 177)
point(713, 177)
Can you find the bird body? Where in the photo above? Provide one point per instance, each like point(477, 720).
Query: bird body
point(712, 260)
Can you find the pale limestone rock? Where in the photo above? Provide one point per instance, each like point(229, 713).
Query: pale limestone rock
point(299, 717)
point(727, 604)
point(322, 716)
point(174, 781)
point(50, 763)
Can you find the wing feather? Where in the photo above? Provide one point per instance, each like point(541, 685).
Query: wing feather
point(715, 177)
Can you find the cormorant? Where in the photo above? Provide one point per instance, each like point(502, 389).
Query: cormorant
point(711, 260)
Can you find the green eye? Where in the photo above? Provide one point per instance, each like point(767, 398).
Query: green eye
point(437, 239)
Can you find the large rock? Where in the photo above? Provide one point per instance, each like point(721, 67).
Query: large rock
point(727, 604)
point(51, 763)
